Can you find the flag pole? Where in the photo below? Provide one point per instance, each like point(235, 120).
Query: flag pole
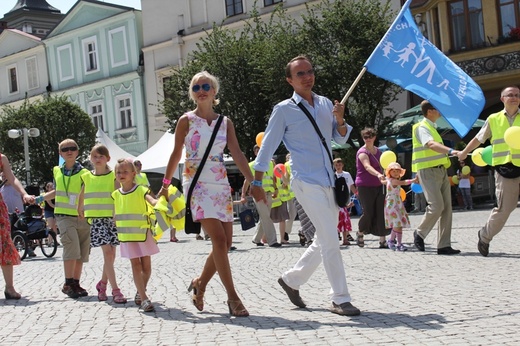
point(351, 89)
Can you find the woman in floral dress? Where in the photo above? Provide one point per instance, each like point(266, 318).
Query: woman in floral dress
point(8, 254)
point(211, 200)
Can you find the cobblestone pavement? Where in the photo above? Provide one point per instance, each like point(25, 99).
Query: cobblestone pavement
point(408, 298)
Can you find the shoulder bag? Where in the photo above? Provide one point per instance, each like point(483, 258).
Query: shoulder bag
point(191, 226)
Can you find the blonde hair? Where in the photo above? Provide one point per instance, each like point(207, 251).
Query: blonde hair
point(124, 162)
point(213, 81)
point(100, 149)
point(67, 141)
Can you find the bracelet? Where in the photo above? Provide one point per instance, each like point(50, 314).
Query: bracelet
point(256, 183)
point(450, 151)
point(166, 181)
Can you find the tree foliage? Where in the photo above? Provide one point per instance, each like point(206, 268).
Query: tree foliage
point(337, 35)
point(57, 119)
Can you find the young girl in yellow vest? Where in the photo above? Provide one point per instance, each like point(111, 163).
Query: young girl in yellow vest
point(396, 217)
point(132, 213)
point(97, 206)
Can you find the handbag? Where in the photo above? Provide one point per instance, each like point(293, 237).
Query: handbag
point(247, 219)
point(190, 226)
point(341, 191)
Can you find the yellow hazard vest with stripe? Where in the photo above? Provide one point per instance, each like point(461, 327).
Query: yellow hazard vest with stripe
point(424, 157)
point(288, 170)
point(68, 189)
point(276, 202)
point(142, 179)
point(97, 198)
point(267, 180)
point(283, 193)
point(502, 153)
point(132, 214)
point(170, 213)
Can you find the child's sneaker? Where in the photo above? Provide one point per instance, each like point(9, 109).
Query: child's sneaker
point(401, 247)
point(391, 244)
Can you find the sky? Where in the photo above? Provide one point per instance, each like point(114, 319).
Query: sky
point(65, 5)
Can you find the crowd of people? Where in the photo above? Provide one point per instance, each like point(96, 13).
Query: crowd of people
point(110, 208)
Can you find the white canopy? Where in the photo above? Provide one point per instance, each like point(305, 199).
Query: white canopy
point(155, 159)
point(115, 150)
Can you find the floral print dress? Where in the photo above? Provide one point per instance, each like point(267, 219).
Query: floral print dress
point(8, 253)
point(211, 197)
point(395, 213)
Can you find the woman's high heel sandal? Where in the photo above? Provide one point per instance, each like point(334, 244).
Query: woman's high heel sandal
point(237, 309)
point(198, 294)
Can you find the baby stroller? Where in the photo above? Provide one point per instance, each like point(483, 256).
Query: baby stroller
point(29, 230)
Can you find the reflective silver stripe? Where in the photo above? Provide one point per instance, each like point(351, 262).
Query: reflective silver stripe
point(515, 156)
point(130, 217)
point(63, 194)
point(499, 141)
point(501, 154)
point(161, 222)
point(180, 215)
point(171, 198)
point(429, 158)
point(64, 206)
point(98, 206)
point(130, 230)
point(418, 149)
point(97, 195)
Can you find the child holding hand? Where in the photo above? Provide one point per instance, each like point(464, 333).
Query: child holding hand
point(396, 217)
point(132, 213)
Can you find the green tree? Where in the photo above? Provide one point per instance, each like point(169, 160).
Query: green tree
point(57, 119)
point(337, 35)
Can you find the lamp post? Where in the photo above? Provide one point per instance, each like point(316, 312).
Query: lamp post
point(32, 132)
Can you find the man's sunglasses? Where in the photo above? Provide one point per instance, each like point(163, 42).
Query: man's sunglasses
point(66, 149)
point(196, 87)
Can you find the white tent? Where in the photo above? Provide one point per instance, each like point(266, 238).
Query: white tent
point(115, 150)
point(155, 159)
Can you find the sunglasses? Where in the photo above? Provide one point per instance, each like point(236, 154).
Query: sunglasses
point(368, 136)
point(66, 149)
point(196, 88)
point(305, 73)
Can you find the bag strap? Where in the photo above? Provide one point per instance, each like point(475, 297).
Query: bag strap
point(203, 161)
point(313, 122)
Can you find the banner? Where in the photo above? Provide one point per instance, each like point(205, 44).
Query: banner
point(405, 57)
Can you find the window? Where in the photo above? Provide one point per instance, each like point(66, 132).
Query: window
point(90, 54)
point(271, 2)
point(509, 13)
point(12, 77)
point(65, 62)
point(118, 47)
point(467, 25)
point(234, 7)
point(124, 109)
point(96, 113)
point(32, 73)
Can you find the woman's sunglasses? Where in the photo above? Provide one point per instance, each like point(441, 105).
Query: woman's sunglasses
point(196, 88)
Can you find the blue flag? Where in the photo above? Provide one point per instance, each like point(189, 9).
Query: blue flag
point(405, 57)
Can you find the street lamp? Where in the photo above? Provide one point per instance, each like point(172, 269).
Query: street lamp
point(32, 132)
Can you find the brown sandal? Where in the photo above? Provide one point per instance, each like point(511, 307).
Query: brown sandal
point(237, 309)
point(198, 294)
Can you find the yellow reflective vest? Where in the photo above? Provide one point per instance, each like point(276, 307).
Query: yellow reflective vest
point(502, 153)
point(132, 214)
point(424, 157)
point(142, 179)
point(170, 213)
point(97, 198)
point(68, 189)
point(267, 180)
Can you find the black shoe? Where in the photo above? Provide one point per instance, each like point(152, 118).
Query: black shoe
point(447, 251)
point(294, 295)
point(346, 309)
point(286, 237)
point(258, 244)
point(303, 240)
point(80, 290)
point(275, 245)
point(68, 290)
point(233, 248)
point(482, 247)
point(418, 241)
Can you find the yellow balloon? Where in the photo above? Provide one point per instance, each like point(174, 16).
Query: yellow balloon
point(476, 157)
point(403, 194)
point(259, 138)
point(465, 170)
point(512, 137)
point(455, 179)
point(387, 158)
